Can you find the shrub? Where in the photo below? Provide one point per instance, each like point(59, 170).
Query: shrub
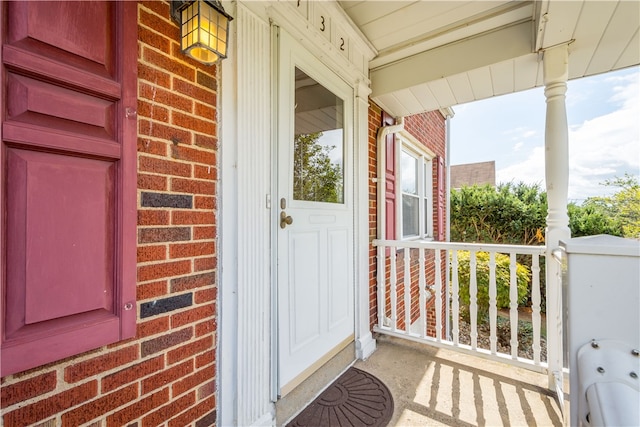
point(503, 275)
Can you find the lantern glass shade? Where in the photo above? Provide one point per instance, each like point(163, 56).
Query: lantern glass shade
point(204, 31)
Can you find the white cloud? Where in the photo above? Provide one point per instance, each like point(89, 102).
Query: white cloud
point(518, 146)
point(530, 171)
point(599, 149)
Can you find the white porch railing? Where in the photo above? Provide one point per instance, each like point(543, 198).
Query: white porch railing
point(417, 299)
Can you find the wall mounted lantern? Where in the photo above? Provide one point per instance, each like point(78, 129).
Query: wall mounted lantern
point(204, 29)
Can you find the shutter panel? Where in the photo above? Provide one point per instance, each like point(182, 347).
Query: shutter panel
point(441, 198)
point(390, 180)
point(69, 179)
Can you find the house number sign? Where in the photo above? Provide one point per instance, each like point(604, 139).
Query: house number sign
point(323, 22)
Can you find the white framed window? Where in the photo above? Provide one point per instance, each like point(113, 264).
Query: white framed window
point(415, 186)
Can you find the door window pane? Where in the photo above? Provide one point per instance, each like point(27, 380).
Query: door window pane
point(318, 160)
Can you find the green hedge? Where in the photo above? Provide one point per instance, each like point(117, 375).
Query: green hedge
point(503, 275)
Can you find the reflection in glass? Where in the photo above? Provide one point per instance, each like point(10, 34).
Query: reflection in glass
point(318, 159)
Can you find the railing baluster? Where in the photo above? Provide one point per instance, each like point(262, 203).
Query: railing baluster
point(438, 291)
point(455, 298)
point(382, 280)
point(536, 319)
point(422, 283)
point(392, 289)
point(391, 301)
point(493, 304)
point(473, 298)
point(513, 304)
point(407, 290)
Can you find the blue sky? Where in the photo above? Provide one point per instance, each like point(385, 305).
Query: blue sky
point(603, 113)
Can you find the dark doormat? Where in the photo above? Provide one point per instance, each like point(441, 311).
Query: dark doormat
point(357, 398)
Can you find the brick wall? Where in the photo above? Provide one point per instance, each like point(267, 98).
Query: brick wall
point(430, 129)
point(167, 372)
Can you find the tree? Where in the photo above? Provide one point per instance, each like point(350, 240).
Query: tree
point(623, 207)
point(591, 219)
point(315, 177)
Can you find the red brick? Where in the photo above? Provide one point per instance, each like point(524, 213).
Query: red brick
point(27, 389)
point(194, 413)
point(206, 327)
point(151, 253)
point(153, 217)
point(182, 152)
point(194, 123)
point(185, 250)
point(168, 269)
point(152, 327)
point(158, 95)
point(152, 182)
point(206, 141)
point(166, 167)
point(191, 217)
point(192, 186)
point(165, 341)
point(154, 75)
point(138, 409)
point(205, 359)
point(167, 376)
point(152, 111)
point(152, 20)
point(167, 412)
point(98, 407)
point(205, 295)
point(206, 390)
point(192, 316)
point(158, 130)
point(206, 111)
point(151, 290)
point(192, 381)
point(154, 39)
point(189, 350)
point(45, 408)
point(204, 202)
point(181, 284)
point(205, 172)
point(150, 146)
point(195, 91)
point(202, 264)
point(201, 233)
point(91, 367)
point(132, 374)
point(168, 63)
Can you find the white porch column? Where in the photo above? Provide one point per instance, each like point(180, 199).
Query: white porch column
point(555, 65)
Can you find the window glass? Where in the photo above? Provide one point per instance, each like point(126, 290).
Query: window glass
point(410, 215)
point(409, 171)
point(415, 185)
point(318, 159)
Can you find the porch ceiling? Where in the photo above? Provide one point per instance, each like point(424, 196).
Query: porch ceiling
point(436, 54)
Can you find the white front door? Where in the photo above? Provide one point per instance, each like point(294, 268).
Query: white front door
point(315, 273)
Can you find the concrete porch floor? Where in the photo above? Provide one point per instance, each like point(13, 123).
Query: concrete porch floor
point(437, 387)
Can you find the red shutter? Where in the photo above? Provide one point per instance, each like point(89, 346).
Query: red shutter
point(69, 179)
point(390, 179)
point(441, 199)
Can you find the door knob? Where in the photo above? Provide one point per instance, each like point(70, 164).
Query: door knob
point(285, 219)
